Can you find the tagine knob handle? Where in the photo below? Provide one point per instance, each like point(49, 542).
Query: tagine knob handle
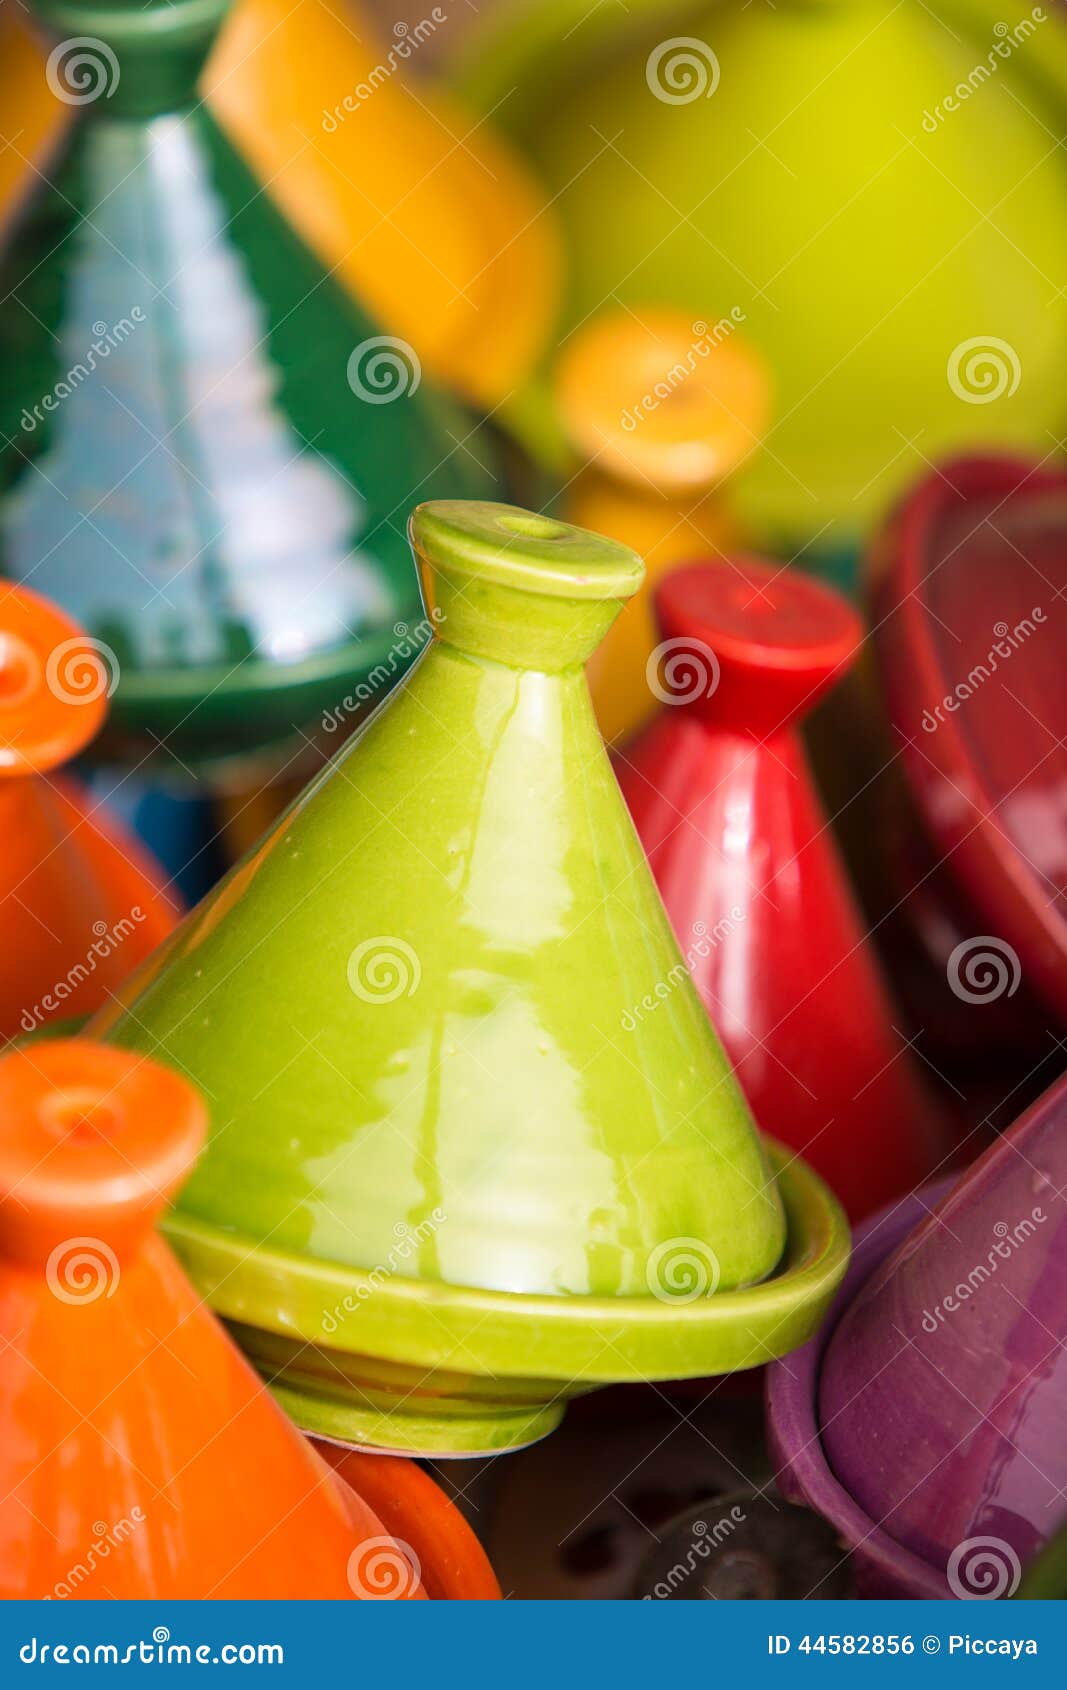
point(518, 588)
point(750, 644)
point(54, 684)
point(94, 1142)
point(667, 402)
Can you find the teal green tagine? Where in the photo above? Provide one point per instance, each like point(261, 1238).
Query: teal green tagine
point(476, 1147)
point(208, 449)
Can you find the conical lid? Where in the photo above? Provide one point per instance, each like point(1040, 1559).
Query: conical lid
point(726, 807)
point(412, 1007)
point(209, 446)
point(942, 1387)
point(80, 903)
point(139, 1454)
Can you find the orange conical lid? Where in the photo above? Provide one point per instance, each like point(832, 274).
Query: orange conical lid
point(662, 400)
point(81, 904)
point(139, 1454)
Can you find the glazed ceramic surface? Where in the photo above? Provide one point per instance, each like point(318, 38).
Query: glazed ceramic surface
point(891, 252)
point(971, 631)
point(452, 1564)
point(81, 904)
point(953, 1355)
point(447, 1147)
point(725, 805)
point(420, 209)
point(662, 410)
point(211, 449)
point(140, 1456)
point(881, 1567)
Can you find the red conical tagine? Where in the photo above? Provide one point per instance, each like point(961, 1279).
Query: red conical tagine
point(80, 902)
point(139, 1454)
point(722, 796)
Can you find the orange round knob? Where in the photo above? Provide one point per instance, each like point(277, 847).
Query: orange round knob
point(93, 1144)
point(54, 684)
point(661, 400)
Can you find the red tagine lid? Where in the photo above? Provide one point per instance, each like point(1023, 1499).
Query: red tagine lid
point(753, 643)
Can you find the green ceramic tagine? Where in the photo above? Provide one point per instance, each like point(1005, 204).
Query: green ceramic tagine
point(208, 450)
point(476, 1146)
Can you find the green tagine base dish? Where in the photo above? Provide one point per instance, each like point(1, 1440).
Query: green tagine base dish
point(438, 1370)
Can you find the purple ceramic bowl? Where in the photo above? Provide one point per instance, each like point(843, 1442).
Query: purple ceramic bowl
point(882, 1566)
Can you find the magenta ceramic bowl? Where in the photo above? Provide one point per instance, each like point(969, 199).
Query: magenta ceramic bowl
point(881, 1566)
point(926, 1422)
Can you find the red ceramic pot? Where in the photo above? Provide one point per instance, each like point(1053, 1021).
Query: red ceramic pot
point(970, 613)
point(722, 796)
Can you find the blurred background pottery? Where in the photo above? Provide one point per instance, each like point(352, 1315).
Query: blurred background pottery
point(724, 803)
point(81, 903)
point(409, 1005)
point(935, 1396)
point(662, 412)
point(211, 447)
point(140, 1455)
point(424, 213)
point(894, 247)
point(971, 626)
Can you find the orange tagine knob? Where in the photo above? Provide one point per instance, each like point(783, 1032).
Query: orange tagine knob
point(80, 902)
point(139, 1454)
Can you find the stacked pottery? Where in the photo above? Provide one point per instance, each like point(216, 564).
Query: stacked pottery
point(140, 1455)
point(208, 445)
point(925, 1423)
point(411, 1007)
point(724, 802)
point(80, 903)
point(663, 412)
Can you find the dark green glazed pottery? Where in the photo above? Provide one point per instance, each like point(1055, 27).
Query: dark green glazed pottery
point(209, 450)
point(460, 1171)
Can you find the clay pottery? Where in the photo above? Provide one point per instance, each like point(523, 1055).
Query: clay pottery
point(436, 1538)
point(577, 1517)
point(426, 215)
point(409, 1007)
point(924, 1423)
point(82, 903)
point(724, 802)
point(141, 1457)
point(661, 410)
point(208, 441)
point(885, 238)
point(968, 601)
point(744, 1547)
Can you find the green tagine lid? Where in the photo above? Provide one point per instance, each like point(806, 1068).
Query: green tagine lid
point(476, 1147)
point(208, 448)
